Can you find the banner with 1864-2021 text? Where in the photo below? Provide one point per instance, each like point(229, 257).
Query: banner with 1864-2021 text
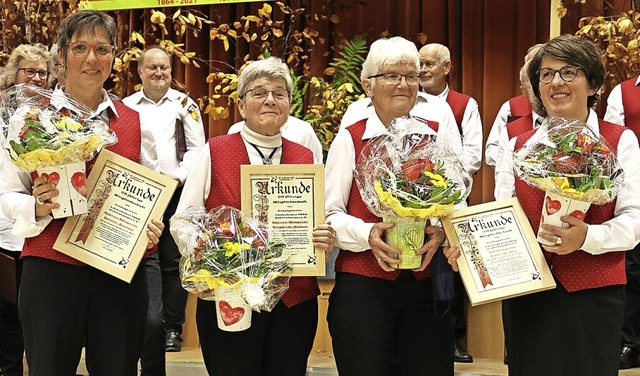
point(139, 4)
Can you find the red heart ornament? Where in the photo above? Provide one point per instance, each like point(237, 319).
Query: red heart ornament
point(552, 206)
point(79, 182)
point(230, 315)
point(53, 177)
point(578, 214)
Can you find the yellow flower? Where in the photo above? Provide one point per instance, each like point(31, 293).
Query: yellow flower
point(436, 179)
point(233, 248)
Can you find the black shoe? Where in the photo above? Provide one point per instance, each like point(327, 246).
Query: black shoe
point(629, 358)
point(461, 355)
point(173, 341)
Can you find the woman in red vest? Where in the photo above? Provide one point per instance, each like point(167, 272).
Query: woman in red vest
point(277, 342)
point(63, 303)
point(574, 329)
point(383, 321)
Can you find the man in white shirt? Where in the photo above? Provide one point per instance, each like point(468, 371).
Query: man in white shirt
point(435, 65)
point(172, 135)
point(511, 110)
point(623, 108)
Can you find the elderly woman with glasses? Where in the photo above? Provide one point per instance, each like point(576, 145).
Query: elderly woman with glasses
point(65, 304)
point(383, 321)
point(574, 329)
point(278, 342)
point(27, 64)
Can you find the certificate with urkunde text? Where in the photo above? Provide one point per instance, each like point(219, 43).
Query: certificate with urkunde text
point(500, 257)
point(123, 199)
point(290, 199)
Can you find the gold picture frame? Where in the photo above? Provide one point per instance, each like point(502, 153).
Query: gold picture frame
point(123, 198)
point(500, 256)
point(289, 198)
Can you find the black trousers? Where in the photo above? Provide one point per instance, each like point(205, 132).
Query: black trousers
point(11, 343)
point(631, 323)
point(174, 296)
point(559, 333)
point(63, 306)
point(153, 360)
point(384, 328)
point(278, 343)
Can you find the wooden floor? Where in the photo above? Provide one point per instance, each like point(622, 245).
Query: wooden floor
point(323, 364)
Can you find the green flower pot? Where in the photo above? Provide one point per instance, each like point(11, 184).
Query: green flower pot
point(407, 236)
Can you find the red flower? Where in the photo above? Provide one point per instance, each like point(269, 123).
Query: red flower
point(412, 170)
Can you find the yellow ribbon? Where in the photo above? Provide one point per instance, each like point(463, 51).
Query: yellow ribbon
point(386, 198)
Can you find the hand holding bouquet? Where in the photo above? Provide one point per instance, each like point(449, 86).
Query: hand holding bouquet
point(228, 255)
point(573, 165)
point(406, 174)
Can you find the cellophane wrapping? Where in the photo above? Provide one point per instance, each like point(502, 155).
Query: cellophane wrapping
point(223, 249)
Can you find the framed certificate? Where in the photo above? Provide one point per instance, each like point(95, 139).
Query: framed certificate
point(123, 198)
point(500, 255)
point(290, 198)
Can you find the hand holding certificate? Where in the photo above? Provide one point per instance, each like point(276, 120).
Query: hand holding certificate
point(124, 197)
point(500, 255)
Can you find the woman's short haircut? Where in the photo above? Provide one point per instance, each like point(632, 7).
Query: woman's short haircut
point(386, 52)
point(576, 51)
point(272, 68)
point(86, 22)
point(30, 52)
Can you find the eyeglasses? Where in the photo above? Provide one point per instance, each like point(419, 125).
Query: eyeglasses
point(30, 72)
point(396, 78)
point(568, 73)
point(280, 95)
point(82, 49)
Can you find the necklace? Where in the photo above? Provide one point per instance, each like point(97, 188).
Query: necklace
point(265, 160)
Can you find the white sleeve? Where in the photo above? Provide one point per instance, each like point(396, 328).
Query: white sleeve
point(621, 233)
point(194, 137)
point(352, 232)
point(472, 138)
point(491, 147)
point(615, 111)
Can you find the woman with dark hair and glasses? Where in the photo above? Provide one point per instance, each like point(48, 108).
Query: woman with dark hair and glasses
point(28, 64)
point(575, 328)
point(64, 303)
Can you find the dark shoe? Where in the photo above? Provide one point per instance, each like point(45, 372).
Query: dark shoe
point(629, 358)
point(461, 355)
point(173, 341)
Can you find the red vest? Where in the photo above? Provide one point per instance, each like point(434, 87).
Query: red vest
point(228, 153)
point(127, 127)
point(364, 263)
point(458, 103)
point(520, 106)
point(520, 126)
point(578, 270)
point(631, 105)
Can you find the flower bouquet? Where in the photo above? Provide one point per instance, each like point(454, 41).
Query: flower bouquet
point(46, 132)
point(573, 165)
point(406, 177)
point(232, 259)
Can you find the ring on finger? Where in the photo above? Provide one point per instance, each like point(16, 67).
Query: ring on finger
point(558, 240)
point(39, 200)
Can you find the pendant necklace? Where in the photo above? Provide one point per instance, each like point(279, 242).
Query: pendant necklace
point(265, 160)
